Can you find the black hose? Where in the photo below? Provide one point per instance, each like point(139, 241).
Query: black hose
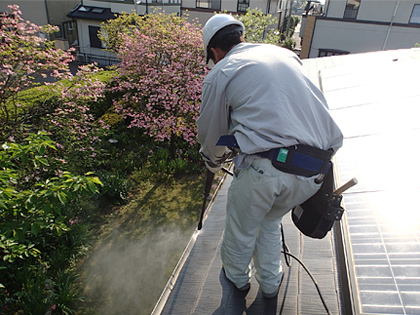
point(286, 253)
point(285, 248)
point(313, 279)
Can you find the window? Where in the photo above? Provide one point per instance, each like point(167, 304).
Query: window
point(415, 14)
point(69, 27)
point(243, 5)
point(331, 52)
point(208, 4)
point(352, 7)
point(95, 42)
point(59, 33)
point(97, 10)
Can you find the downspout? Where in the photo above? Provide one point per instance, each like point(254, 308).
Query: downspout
point(390, 24)
point(288, 17)
point(46, 11)
point(268, 7)
point(326, 6)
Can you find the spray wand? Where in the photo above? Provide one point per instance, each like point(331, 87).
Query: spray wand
point(207, 187)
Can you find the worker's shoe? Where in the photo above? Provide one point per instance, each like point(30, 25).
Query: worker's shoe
point(275, 293)
point(244, 288)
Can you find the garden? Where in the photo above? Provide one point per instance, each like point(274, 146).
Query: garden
point(101, 183)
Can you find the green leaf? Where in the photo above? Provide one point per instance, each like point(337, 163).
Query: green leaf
point(62, 197)
point(32, 199)
point(57, 210)
point(96, 180)
point(35, 228)
point(44, 161)
point(3, 205)
point(58, 230)
point(92, 187)
point(19, 235)
point(41, 150)
point(24, 158)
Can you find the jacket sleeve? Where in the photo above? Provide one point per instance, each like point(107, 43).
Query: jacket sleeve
point(213, 122)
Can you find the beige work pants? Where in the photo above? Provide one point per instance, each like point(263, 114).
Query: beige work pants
point(258, 198)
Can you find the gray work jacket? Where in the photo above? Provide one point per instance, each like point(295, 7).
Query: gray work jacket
point(259, 94)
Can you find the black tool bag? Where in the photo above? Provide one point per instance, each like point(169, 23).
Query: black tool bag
point(316, 216)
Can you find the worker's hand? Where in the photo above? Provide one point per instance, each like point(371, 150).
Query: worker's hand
point(229, 154)
point(214, 168)
point(217, 165)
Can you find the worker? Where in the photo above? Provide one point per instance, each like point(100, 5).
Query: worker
point(260, 109)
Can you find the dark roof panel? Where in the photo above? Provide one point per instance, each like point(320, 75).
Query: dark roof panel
point(91, 13)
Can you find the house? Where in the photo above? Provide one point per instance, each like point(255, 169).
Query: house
point(89, 15)
point(204, 9)
point(43, 12)
point(357, 26)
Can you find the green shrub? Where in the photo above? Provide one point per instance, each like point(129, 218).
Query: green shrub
point(32, 204)
point(178, 166)
point(37, 296)
point(115, 187)
point(67, 293)
point(113, 120)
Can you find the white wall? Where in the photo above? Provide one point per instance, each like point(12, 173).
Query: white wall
point(375, 10)
point(33, 10)
point(258, 4)
point(226, 5)
point(400, 37)
point(405, 8)
point(84, 40)
point(358, 37)
point(336, 8)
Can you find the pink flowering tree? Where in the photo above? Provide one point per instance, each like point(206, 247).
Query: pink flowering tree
point(161, 71)
point(71, 120)
point(26, 55)
point(35, 181)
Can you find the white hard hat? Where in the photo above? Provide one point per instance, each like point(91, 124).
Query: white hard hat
point(216, 23)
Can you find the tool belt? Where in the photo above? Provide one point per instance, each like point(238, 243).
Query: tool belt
point(300, 159)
